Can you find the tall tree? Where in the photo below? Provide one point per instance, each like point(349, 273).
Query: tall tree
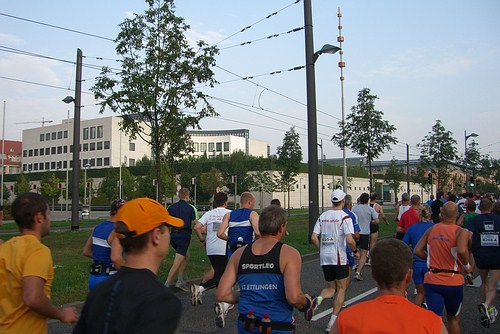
point(22, 184)
point(289, 160)
point(50, 189)
point(394, 176)
point(157, 82)
point(365, 131)
point(437, 150)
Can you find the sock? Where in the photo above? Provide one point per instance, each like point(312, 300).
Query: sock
point(319, 300)
point(180, 278)
point(201, 288)
point(332, 321)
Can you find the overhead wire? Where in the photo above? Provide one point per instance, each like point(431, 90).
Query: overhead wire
point(262, 38)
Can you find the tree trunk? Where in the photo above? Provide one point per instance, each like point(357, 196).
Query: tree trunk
point(370, 170)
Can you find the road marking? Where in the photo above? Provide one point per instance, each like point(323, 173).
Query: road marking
point(347, 303)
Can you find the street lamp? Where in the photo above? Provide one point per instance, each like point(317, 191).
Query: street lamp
point(322, 173)
point(85, 184)
point(466, 136)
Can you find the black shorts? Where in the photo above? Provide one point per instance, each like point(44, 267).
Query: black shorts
point(335, 272)
point(374, 228)
point(180, 245)
point(364, 241)
point(488, 266)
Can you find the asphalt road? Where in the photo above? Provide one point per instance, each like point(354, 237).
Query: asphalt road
point(200, 319)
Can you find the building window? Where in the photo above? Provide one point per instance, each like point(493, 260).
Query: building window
point(203, 147)
point(85, 133)
point(85, 147)
point(100, 131)
point(92, 162)
point(226, 146)
point(106, 161)
point(99, 145)
point(92, 146)
point(24, 167)
point(53, 165)
point(211, 147)
point(196, 147)
point(54, 135)
point(65, 134)
point(65, 164)
point(47, 165)
point(92, 132)
point(85, 162)
point(59, 150)
point(131, 147)
point(106, 146)
point(53, 150)
point(219, 147)
point(35, 152)
point(35, 167)
point(40, 165)
point(70, 148)
point(59, 134)
point(47, 151)
point(131, 162)
point(65, 149)
point(42, 151)
point(42, 137)
point(30, 153)
point(25, 153)
point(47, 136)
point(99, 162)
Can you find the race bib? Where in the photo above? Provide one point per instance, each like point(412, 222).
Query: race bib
point(489, 239)
point(215, 227)
point(327, 239)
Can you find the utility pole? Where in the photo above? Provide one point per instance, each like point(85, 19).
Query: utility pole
point(75, 198)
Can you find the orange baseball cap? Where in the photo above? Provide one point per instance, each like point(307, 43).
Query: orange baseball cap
point(142, 215)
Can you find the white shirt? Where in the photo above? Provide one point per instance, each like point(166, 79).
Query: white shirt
point(365, 214)
point(212, 220)
point(332, 227)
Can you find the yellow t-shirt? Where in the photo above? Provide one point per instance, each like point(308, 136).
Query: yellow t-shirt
point(20, 257)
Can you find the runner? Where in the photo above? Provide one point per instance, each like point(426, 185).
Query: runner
point(366, 215)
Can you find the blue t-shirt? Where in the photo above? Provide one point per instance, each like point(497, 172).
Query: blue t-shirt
point(413, 236)
point(101, 249)
point(356, 227)
point(184, 211)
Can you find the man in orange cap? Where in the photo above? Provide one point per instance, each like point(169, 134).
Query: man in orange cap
point(134, 300)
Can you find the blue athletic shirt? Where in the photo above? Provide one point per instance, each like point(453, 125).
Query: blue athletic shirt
point(413, 235)
point(262, 288)
point(184, 211)
point(101, 249)
point(240, 226)
point(356, 229)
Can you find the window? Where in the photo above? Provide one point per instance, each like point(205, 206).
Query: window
point(92, 132)
point(99, 161)
point(211, 147)
point(219, 147)
point(99, 145)
point(59, 150)
point(85, 133)
point(106, 161)
point(131, 147)
point(35, 167)
point(30, 153)
point(65, 164)
point(85, 162)
point(106, 146)
point(53, 150)
point(92, 162)
point(196, 147)
point(25, 153)
point(47, 136)
point(47, 165)
point(65, 134)
point(71, 164)
point(47, 151)
point(24, 167)
point(35, 152)
point(65, 149)
point(226, 146)
point(42, 137)
point(42, 151)
point(85, 147)
point(70, 148)
point(54, 136)
point(131, 162)
point(53, 165)
point(92, 146)
point(100, 131)
point(40, 165)
point(59, 134)
point(203, 147)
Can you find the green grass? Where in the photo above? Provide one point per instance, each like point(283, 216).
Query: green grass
point(71, 268)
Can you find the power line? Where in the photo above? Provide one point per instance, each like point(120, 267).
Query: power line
point(41, 84)
point(263, 38)
point(56, 27)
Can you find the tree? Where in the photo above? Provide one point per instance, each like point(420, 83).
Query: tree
point(159, 75)
point(437, 150)
point(365, 131)
point(289, 160)
point(393, 176)
point(108, 188)
point(22, 184)
point(50, 189)
point(209, 181)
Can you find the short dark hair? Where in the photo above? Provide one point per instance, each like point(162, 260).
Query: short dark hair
point(275, 202)
point(26, 206)
point(471, 206)
point(363, 199)
point(496, 208)
point(373, 196)
point(389, 270)
point(415, 199)
point(485, 204)
point(219, 199)
point(271, 219)
point(134, 245)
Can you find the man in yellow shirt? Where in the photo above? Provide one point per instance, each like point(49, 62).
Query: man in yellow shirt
point(26, 272)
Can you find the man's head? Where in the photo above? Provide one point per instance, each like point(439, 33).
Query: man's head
point(405, 198)
point(449, 212)
point(137, 218)
point(247, 200)
point(275, 202)
point(117, 203)
point(432, 197)
point(391, 271)
point(338, 197)
point(271, 220)
point(471, 206)
point(485, 205)
point(220, 199)
point(373, 196)
point(496, 208)
point(184, 194)
point(415, 200)
point(348, 202)
point(363, 199)
point(29, 208)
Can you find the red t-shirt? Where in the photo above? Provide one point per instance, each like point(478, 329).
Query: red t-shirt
point(408, 218)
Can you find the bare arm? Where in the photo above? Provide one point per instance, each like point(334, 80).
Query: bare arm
point(291, 268)
point(463, 247)
point(221, 232)
point(116, 251)
point(315, 240)
point(381, 213)
point(35, 298)
point(460, 221)
point(443, 329)
point(198, 229)
point(254, 220)
point(87, 249)
point(419, 249)
point(225, 292)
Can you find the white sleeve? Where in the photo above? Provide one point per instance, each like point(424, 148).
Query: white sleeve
point(317, 227)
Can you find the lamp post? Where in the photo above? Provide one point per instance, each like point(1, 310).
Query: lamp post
point(466, 136)
point(322, 173)
point(340, 39)
point(3, 155)
point(85, 184)
point(300, 192)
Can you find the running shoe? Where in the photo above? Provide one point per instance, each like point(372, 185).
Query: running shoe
point(309, 313)
point(469, 279)
point(181, 285)
point(424, 305)
point(485, 315)
point(368, 263)
point(358, 277)
point(220, 319)
point(415, 292)
point(195, 295)
point(493, 314)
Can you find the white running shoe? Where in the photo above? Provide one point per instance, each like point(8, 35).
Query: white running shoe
point(358, 277)
point(220, 319)
point(485, 315)
point(195, 295)
point(181, 285)
point(493, 313)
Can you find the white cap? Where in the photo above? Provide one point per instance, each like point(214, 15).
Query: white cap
point(338, 195)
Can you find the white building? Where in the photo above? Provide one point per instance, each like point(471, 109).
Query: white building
point(102, 144)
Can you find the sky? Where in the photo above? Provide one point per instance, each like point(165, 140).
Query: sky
point(425, 60)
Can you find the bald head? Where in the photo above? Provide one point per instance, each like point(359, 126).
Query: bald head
point(449, 211)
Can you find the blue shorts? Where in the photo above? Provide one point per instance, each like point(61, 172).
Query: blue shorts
point(180, 245)
point(450, 297)
point(419, 271)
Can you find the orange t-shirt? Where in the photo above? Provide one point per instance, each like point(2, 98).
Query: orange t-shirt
point(388, 314)
point(442, 254)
